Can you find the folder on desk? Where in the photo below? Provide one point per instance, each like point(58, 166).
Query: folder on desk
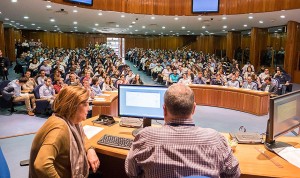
point(247, 137)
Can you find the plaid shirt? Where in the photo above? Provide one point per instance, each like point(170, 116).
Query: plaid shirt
point(178, 151)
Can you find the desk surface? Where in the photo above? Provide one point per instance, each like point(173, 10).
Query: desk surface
point(252, 162)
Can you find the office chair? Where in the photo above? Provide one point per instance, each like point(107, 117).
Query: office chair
point(4, 170)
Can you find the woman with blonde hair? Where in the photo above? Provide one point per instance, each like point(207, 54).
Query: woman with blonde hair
point(60, 148)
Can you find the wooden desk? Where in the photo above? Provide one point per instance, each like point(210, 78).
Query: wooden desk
point(250, 101)
point(252, 163)
point(108, 106)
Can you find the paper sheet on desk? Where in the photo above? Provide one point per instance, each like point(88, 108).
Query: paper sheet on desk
point(292, 155)
point(91, 131)
point(104, 94)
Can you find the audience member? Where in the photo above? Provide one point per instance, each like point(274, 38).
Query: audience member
point(96, 87)
point(269, 86)
point(47, 91)
point(249, 84)
point(180, 148)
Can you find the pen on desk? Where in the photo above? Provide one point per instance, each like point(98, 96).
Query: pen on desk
point(268, 157)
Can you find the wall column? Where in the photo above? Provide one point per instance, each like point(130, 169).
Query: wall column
point(10, 43)
point(291, 49)
point(2, 43)
point(233, 42)
point(257, 44)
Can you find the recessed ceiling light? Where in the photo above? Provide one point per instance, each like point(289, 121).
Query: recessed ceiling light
point(171, 31)
point(38, 27)
point(211, 33)
point(136, 30)
point(100, 13)
point(233, 29)
point(176, 18)
point(199, 18)
point(163, 27)
point(250, 17)
point(96, 24)
point(183, 27)
point(261, 21)
point(188, 31)
point(122, 16)
point(282, 16)
point(76, 30)
point(33, 24)
point(75, 10)
point(55, 26)
point(117, 25)
point(203, 27)
point(75, 27)
point(143, 26)
point(224, 26)
point(54, 30)
point(52, 20)
point(224, 18)
point(45, 30)
point(26, 17)
point(14, 0)
point(6, 18)
point(0, 12)
point(21, 25)
point(223, 30)
point(153, 31)
point(48, 6)
point(17, 23)
point(130, 26)
point(133, 22)
point(245, 25)
point(279, 29)
point(276, 31)
point(193, 33)
point(12, 21)
point(152, 17)
point(74, 22)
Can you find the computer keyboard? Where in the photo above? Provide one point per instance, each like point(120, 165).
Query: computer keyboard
point(115, 141)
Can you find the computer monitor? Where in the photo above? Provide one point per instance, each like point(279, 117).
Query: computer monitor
point(284, 117)
point(141, 101)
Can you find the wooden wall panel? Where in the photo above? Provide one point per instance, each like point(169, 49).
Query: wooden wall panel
point(2, 45)
point(233, 42)
point(245, 41)
point(183, 7)
point(277, 41)
point(10, 43)
point(258, 43)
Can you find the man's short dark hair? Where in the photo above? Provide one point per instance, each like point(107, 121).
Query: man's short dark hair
point(268, 78)
point(23, 79)
point(179, 100)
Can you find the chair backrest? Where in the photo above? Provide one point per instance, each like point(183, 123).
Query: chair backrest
point(4, 170)
point(36, 91)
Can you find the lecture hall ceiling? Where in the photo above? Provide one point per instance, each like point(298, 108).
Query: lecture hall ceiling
point(47, 16)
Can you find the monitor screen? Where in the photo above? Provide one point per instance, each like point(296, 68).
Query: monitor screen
point(86, 2)
point(199, 6)
point(284, 114)
point(141, 101)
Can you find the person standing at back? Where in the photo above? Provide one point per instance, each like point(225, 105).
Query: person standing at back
point(179, 148)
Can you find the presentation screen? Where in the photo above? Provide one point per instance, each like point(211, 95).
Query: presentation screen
point(141, 101)
point(199, 6)
point(86, 2)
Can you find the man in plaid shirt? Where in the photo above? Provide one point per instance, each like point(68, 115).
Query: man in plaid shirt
point(179, 148)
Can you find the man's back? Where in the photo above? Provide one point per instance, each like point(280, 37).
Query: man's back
point(181, 150)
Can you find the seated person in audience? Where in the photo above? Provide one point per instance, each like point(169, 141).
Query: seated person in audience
point(249, 72)
point(30, 84)
point(108, 85)
point(173, 78)
point(166, 73)
point(151, 66)
point(87, 76)
point(199, 79)
point(57, 75)
point(179, 148)
point(257, 80)
point(59, 84)
point(46, 91)
point(33, 66)
point(249, 84)
point(41, 77)
point(264, 74)
point(130, 76)
point(73, 81)
point(283, 80)
point(156, 70)
point(233, 82)
point(217, 80)
point(46, 67)
point(184, 80)
point(248, 64)
point(13, 89)
point(60, 148)
point(239, 78)
point(87, 86)
point(190, 75)
point(122, 80)
point(137, 80)
point(96, 87)
point(269, 86)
